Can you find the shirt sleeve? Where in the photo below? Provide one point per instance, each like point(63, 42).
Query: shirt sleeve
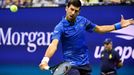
point(57, 32)
point(90, 26)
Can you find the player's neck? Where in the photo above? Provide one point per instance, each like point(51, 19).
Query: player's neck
point(70, 21)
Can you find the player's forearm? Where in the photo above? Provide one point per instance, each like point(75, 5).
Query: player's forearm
point(108, 28)
point(50, 51)
point(105, 28)
point(52, 48)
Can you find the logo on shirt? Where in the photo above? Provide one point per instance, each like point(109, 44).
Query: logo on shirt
point(56, 31)
point(81, 25)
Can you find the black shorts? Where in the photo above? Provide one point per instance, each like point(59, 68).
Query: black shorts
point(80, 70)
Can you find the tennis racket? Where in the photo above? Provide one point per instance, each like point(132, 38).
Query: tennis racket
point(60, 69)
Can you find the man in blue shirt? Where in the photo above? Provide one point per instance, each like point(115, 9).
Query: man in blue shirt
point(110, 59)
point(70, 31)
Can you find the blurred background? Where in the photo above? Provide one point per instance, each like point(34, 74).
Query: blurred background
point(55, 3)
point(25, 34)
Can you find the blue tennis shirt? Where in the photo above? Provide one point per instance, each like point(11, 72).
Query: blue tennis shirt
point(73, 40)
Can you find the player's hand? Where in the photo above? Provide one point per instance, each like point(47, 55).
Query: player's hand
point(127, 22)
point(44, 66)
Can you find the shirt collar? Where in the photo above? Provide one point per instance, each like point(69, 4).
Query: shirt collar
point(66, 22)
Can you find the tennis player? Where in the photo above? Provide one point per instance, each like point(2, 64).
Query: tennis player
point(70, 31)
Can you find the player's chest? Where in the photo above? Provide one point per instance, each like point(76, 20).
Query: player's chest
point(73, 29)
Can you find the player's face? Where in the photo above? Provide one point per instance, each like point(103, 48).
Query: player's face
point(72, 12)
point(108, 46)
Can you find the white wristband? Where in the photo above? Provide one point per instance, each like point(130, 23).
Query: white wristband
point(45, 59)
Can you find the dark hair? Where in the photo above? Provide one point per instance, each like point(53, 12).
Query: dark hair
point(75, 3)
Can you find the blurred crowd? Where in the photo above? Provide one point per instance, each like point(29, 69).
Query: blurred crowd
point(20, 3)
point(105, 2)
point(47, 3)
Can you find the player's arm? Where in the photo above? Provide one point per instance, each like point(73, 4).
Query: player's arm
point(107, 28)
point(52, 48)
point(49, 53)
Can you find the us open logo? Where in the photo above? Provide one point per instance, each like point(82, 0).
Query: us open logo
point(125, 52)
